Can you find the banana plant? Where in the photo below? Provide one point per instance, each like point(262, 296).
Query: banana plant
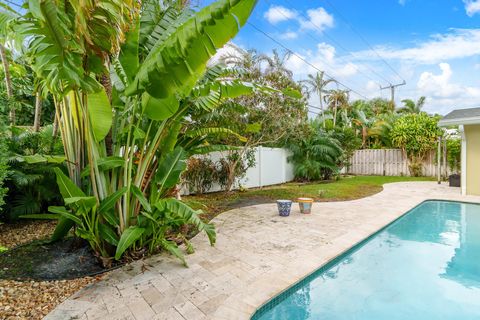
point(124, 86)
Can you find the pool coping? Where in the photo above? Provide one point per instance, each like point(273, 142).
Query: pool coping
point(272, 302)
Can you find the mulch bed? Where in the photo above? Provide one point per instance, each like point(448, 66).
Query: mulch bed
point(34, 299)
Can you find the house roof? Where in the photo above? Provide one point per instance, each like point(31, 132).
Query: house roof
point(461, 117)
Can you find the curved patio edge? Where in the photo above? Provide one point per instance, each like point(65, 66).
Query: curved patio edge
point(258, 255)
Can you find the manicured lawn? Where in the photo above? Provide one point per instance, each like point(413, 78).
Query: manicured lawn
point(347, 188)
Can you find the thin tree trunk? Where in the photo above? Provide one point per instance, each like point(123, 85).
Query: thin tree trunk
point(38, 112)
point(335, 114)
point(107, 84)
point(55, 125)
point(321, 107)
point(8, 83)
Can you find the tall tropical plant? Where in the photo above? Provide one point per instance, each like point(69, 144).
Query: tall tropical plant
point(337, 100)
point(317, 84)
point(123, 88)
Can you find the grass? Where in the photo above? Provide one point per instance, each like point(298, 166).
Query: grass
point(347, 188)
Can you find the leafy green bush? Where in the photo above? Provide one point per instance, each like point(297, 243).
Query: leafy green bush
point(454, 149)
point(200, 175)
point(316, 157)
point(233, 167)
point(416, 135)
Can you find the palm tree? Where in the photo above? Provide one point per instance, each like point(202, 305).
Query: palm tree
point(317, 84)
point(276, 63)
point(337, 99)
point(411, 107)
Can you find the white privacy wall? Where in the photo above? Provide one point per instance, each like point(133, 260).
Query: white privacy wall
point(271, 167)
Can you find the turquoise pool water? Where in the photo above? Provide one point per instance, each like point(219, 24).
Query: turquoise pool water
point(426, 265)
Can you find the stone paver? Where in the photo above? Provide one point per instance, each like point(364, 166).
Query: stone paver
point(258, 255)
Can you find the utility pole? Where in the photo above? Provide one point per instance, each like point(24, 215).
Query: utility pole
point(392, 88)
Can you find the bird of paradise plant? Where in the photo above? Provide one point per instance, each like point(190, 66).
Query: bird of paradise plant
point(125, 76)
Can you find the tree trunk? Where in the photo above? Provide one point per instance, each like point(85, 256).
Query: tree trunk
point(231, 176)
point(8, 83)
point(55, 125)
point(335, 114)
point(321, 107)
point(38, 112)
point(107, 84)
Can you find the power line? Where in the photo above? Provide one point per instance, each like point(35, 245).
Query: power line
point(363, 39)
point(366, 76)
point(334, 41)
point(13, 4)
point(301, 58)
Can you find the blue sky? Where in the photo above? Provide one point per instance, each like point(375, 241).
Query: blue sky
point(434, 45)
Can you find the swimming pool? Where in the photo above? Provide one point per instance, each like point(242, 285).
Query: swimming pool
point(425, 265)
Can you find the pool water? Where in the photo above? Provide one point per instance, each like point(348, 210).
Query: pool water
point(425, 265)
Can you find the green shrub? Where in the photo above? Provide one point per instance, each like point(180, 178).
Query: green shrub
point(454, 149)
point(316, 156)
point(200, 175)
point(416, 135)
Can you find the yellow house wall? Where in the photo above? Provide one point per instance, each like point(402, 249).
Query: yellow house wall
point(472, 135)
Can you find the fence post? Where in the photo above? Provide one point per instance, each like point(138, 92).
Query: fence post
point(439, 152)
point(384, 164)
point(260, 166)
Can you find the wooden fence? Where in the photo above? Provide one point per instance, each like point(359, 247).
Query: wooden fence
point(388, 162)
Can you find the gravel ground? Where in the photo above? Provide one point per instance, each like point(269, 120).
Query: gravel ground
point(12, 235)
point(33, 299)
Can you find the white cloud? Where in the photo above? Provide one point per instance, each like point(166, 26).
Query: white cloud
point(442, 94)
point(326, 51)
point(324, 58)
point(289, 35)
point(459, 43)
point(438, 85)
point(318, 19)
point(472, 7)
point(276, 14)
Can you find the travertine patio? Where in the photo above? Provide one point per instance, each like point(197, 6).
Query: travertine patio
point(258, 255)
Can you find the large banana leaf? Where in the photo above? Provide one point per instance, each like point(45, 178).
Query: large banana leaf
point(170, 169)
point(183, 211)
point(100, 112)
point(68, 189)
point(58, 58)
point(127, 239)
point(176, 63)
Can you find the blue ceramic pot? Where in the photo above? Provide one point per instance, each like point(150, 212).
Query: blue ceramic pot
point(284, 207)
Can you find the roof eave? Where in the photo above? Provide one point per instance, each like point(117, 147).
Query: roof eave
point(459, 121)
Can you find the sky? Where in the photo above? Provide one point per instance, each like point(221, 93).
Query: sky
point(434, 45)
